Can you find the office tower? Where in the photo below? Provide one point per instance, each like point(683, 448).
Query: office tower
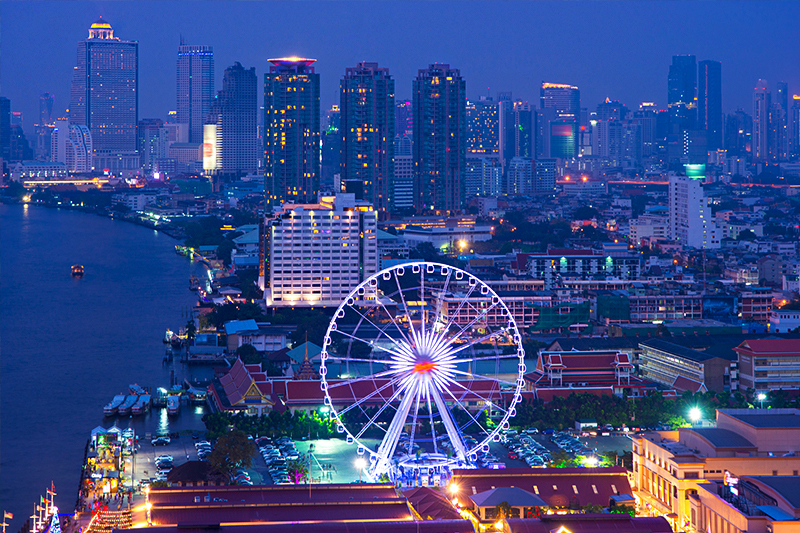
point(738, 131)
point(403, 197)
point(104, 96)
point(16, 118)
point(195, 87)
point(777, 135)
point(794, 125)
point(440, 138)
point(5, 129)
point(483, 177)
point(483, 127)
point(71, 144)
point(608, 141)
point(331, 150)
point(709, 102)
point(611, 110)
point(517, 130)
point(404, 118)
point(559, 126)
point(681, 93)
point(20, 148)
point(230, 131)
point(631, 145)
point(690, 221)
point(299, 277)
point(761, 107)
point(646, 117)
point(46, 102)
point(545, 175)
point(366, 101)
point(782, 95)
point(153, 142)
point(291, 131)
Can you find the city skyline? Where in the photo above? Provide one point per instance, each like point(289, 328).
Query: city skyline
point(517, 53)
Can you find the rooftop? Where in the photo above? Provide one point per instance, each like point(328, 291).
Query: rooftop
point(790, 419)
point(723, 438)
point(786, 486)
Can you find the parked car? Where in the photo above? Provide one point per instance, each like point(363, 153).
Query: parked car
point(160, 441)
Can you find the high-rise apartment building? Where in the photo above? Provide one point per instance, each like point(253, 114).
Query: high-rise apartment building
point(403, 187)
point(71, 144)
point(647, 118)
point(404, 118)
point(709, 102)
point(483, 177)
point(794, 125)
point(331, 138)
point(483, 128)
point(690, 221)
point(105, 96)
point(782, 95)
point(153, 142)
point(778, 135)
point(366, 101)
point(317, 253)
point(681, 93)
point(611, 110)
point(762, 101)
point(230, 133)
point(440, 139)
point(607, 141)
point(195, 87)
point(291, 131)
point(738, 133)
point(46, 103)
point(521, 176)
point(517, 130)
point(546, 175)
point(559, 127)
point(5, 129)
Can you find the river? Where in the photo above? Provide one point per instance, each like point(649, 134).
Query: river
point(68, 345)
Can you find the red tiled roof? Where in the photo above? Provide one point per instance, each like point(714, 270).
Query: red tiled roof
point(781, 347)
point(431, 504)
point(594, 523)
point(556, 486)
point(683, 383)
point(356, 526)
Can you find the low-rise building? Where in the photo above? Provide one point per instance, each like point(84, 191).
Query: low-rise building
point(784, 320)
point(671, 364)
point(769, 364)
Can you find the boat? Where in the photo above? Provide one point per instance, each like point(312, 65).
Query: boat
point(77, 271)
point(194, 283)
point(168, 336)
point(137, 389)
point(181, 250)
point(173, 404)
point(125, 408)
point(142, 404)
point(112, 407)
point(176, 341)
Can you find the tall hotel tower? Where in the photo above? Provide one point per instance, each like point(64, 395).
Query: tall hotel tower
point(195, 84)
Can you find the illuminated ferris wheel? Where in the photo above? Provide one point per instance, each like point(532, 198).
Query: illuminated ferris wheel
point(430, 366)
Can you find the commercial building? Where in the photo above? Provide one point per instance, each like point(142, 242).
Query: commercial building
point(517, 130)
point(72, 145)
point(483, 177)
point(769, 364)
point(583, 264)
point(762, 101)
point(105, 96)
point(291, 131)
point(153, 142)
point(709, 102)
point(690, 220)
point(230, 142)
point(483, 128)
point(317, 253)
point(403, 187)
point(440, 139)
point(195, 87)
point(681, 93)
point(670, 466)
point(367, 133)
point(784, 320)
point(682, 368)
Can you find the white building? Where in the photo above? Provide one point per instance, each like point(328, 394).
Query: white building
point(690, 220)
point(521, 176)
point(317, 253)
point(72, 145)
point(649, 226)
point(38, 171)
point(784, 320)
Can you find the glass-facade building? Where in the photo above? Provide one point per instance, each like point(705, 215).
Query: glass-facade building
point(195, 87)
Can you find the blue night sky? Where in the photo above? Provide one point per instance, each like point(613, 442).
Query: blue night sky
point(619, 49)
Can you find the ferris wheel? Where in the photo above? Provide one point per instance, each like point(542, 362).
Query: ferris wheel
point(422, 365)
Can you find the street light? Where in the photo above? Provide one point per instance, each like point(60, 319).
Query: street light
point(695, 414)
point(360, 464)
point(761, 397)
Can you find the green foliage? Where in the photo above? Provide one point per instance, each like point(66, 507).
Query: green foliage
point(297, 471)
point(292, 424)
point(624, 509)
point(248, 354)
point(311, 324)
point(191, 330)
point(204, 231)
point(158, 484)
point(225, 313)
point(502, 510)
point(250, 290)
point(224, 251)
point(231, 451)
point(585, 212)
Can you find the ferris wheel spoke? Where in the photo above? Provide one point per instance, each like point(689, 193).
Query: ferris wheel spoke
point(396, 325)
point(459, 360)
point(472, 323)
point(455, 314)
point(430, 415)
point(400, 355)
point(405, 305)
point(482, 378)
point(361, 378)
point(459, 404)
point(373, 325)
point(389, 442)
point(479, 340)
point(449, 426)
point(414, 425)
point(472, 392)
point(372, 420)
point(367, 397)
point(441, 299)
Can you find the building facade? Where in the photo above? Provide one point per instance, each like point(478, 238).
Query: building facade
point(690, 220)
point(72, 145)
point(195, 87)
point(367, 131)
point(440, 139)
point(291, 131)
point(709, 102)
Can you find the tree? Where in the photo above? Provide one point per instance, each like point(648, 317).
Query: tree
point(585, 212)
point(248, 354)
point(747, 235)
point(297, 471)
point(191, 330)
point(502, 510)
point(231, 451)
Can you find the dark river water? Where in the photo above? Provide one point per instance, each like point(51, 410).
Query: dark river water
point(68, 345)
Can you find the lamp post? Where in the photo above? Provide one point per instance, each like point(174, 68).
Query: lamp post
point(360, 464)
point(761, 397)
point(695, 415)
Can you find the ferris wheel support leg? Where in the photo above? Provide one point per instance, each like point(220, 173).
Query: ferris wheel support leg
point(452, 432)
point(389, 443)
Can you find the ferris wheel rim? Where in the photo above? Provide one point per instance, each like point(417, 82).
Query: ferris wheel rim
point(491, 435)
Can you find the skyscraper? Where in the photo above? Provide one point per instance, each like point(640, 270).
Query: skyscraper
point(46, 102)
point(195, 84)
point(367, 130)
point(794, 125)
point(709, 102)
point(291, 131)
point(681, 92)
point(403, 186)
point(559, 127)
point(5, 129)
point(230, 133)
point(404, 118)
point(153, 142)
point(71, 144)
point(782, 95)
point(440, 138)
point(517, 130)
point(483, 128)
point(762, 102)
point(611, 110)
point(105, 96)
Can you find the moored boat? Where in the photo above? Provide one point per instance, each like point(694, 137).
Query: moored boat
point(142, 404)
point(125, 408)
point(112, 406)
point(137, 389)
point(77, 271)
point(173, 404)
